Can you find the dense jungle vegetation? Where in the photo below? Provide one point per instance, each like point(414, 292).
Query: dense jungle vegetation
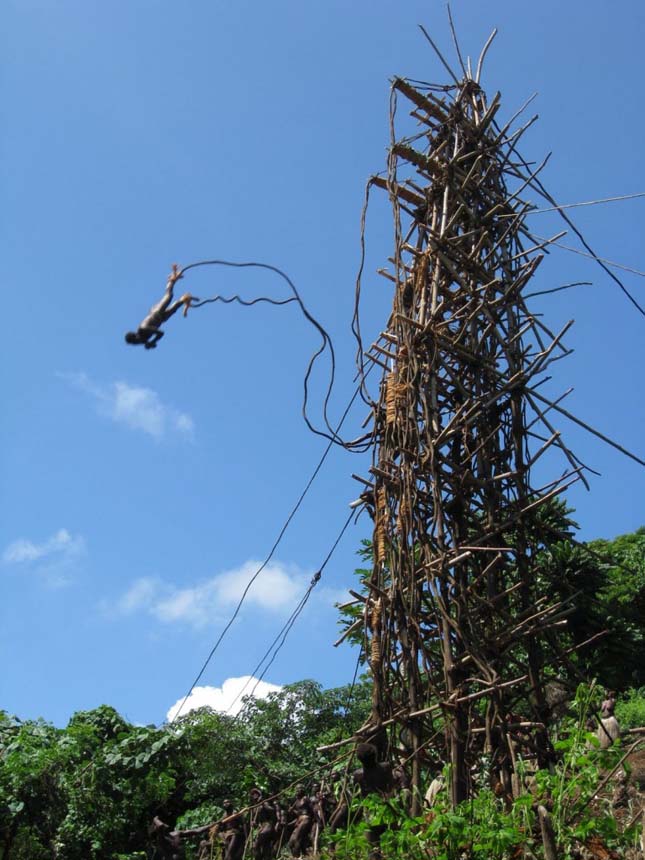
point(90, 790)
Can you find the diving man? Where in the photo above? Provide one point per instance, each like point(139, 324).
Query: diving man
point(149, 332)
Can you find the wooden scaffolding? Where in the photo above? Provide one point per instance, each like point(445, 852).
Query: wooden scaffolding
point(456, 627)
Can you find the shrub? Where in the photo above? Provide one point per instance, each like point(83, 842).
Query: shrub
point(630, 708)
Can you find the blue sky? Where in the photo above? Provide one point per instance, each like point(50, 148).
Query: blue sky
point(139, 488)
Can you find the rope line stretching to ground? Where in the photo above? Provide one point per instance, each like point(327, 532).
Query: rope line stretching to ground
point(286, 628)
point(269, 556)
point(280, 639)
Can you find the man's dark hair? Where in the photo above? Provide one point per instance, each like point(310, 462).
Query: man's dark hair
point(132, 337)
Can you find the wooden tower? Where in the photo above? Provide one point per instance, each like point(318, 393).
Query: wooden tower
point(455, 624)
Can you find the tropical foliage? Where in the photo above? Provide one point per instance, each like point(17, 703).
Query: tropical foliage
point(90, 790)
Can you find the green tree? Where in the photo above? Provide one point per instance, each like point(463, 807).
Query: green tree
point(32, 802)
point(87, 791)
point(604, 583)
point(213, 757)
point(286, 728)
point(90, 791)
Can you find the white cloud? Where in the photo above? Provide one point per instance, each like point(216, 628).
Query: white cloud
point(22, 550)
point(134, 406)
point(61, 545)
point(185, 424)
point(275, 587)
point(52, 558)
point(225, 699)
point(279, 586)
point(141, 594)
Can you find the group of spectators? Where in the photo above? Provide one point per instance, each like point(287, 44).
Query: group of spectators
point(269, 828)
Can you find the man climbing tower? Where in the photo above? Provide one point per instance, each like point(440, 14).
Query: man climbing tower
point(149, 332)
